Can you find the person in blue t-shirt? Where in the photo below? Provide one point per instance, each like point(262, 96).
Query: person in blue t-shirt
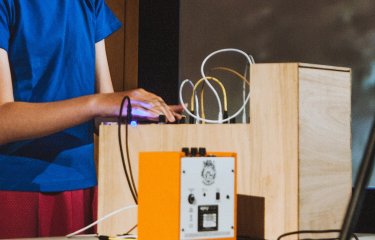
point(54, 79)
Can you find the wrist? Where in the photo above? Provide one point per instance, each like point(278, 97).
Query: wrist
point(94, 106)
point(104, 104)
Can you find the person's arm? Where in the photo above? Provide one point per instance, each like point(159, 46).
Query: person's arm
point(22, 120)
point(102, 74)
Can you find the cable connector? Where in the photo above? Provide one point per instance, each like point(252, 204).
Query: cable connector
point(226, 116)
point(191, 119)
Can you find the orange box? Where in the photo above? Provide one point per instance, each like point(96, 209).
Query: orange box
point(159, 197)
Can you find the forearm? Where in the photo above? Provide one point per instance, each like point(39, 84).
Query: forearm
point(21, 120)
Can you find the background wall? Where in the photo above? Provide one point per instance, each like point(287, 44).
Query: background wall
point(335, 32)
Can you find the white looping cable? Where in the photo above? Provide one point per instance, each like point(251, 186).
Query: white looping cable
point(244, 96)
point(250, 61)
point(101, 219)
point(205, 119)
point(247, 69)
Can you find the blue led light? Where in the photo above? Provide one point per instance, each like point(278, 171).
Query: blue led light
point(133, 123)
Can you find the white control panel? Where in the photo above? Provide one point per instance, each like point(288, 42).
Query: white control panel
point(207, 197)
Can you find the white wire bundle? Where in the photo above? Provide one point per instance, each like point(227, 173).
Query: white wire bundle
point(220, 115)
point(101, 219)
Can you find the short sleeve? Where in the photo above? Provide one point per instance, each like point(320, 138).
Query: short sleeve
point(106, 22)
point(5, 20)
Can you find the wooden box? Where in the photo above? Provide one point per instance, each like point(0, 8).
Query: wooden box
point(295, 154)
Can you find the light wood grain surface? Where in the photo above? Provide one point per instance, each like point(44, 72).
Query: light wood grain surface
point(325, 146)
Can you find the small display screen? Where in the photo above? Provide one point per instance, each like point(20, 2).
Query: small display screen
point(208, 218)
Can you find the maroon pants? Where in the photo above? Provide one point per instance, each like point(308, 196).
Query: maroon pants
point(33, 214)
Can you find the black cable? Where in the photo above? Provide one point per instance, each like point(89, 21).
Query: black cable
point(128, 232)
point(361, 182)
point(129, 119)
point(315, 232)
point(120, 120)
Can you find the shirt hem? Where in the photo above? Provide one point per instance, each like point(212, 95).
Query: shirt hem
point(52, 187)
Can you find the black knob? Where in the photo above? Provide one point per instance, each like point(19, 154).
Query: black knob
point(191, 198)
point(202, 151)
point(182, 120)
point(186, 151)
point(193, 152)
point(162, 119)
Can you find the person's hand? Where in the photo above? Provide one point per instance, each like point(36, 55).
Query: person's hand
point(145, 105)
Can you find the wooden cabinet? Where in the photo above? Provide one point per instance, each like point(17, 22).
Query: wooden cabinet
point(295, 154)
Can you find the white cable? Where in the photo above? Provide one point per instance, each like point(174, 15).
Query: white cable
point(209, 84)
point(244, 95)
point(250, 61)
point(247, 69)
point(101, 219)
point(205, 119)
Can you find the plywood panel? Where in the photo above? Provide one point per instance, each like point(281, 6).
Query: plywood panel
point(274, 143)
point(325, 147)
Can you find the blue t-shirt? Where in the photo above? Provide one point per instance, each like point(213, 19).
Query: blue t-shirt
point(51, 49)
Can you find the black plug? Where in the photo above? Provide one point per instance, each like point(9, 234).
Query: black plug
point(191, 119)
point(225, 116)
point(162, 119)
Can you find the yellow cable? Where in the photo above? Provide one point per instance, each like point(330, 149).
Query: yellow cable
point(234, 72)
point(202, 106)
point(218, 82)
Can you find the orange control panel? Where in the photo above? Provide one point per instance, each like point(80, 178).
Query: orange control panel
point(187, 195)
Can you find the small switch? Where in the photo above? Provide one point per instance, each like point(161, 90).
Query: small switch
point(217, 196)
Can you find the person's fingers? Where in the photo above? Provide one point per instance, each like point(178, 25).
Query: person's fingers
point(167, 112)
point(152, 105)
point(157, 108)
point(144, 113)
point(176, 108)
point(177, 115)
point(146, 105)
point(161, 108)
